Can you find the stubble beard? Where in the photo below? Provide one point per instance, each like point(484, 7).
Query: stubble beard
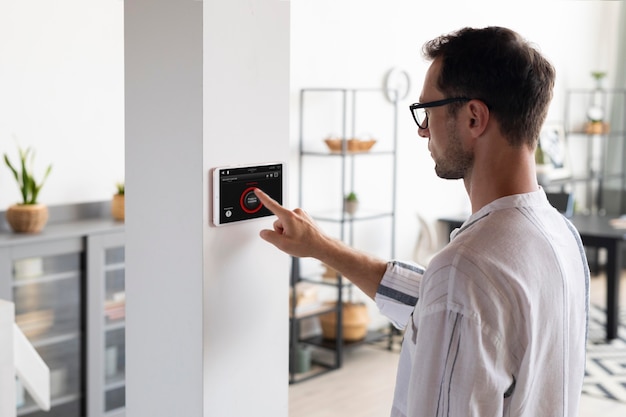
point(456, 161)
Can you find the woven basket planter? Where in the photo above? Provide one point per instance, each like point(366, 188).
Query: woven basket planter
point(27, 218)
point(354, 323)
point(597, 128)
point(117, 207)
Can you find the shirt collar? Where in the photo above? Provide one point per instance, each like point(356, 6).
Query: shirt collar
point(535, 198)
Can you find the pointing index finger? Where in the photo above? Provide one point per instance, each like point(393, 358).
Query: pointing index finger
point(271, 204)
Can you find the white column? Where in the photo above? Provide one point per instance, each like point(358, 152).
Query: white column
point(207, 84)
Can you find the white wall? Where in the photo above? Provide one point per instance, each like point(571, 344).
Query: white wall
point(62, 92)
point(207, 329)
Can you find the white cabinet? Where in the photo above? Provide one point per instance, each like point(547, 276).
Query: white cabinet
point(67, 283)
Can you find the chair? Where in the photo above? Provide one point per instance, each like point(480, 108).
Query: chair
point(426, 245)
point(563, 202)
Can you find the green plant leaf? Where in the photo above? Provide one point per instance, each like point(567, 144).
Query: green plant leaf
point(351, 196)
point(37, 188)
point(25, 178)
point(11, 167)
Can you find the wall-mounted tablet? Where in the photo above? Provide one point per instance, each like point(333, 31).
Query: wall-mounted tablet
point(233, 191)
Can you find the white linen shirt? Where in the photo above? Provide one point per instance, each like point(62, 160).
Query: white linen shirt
point(497, 324)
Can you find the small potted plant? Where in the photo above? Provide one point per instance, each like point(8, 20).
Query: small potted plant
point(596, 124)
point(117, 205)
point(28, 216)
point(351, 203)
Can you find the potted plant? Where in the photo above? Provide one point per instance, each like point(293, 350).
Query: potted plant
point(117, 205)
point(28, 216)
point(351, 203)
point(595, 114)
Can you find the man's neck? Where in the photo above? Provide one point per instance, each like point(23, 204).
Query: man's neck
point(510, 172)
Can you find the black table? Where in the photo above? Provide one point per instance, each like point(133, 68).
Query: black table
point(596, 232)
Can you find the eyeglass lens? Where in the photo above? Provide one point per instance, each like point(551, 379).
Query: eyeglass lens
point(421, 117)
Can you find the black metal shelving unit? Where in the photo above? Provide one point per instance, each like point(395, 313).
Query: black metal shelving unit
point(603, 176)
point(351, 106)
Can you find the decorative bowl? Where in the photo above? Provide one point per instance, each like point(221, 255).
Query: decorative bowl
point(352, 145)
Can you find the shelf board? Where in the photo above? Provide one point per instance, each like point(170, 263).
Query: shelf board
point(330, 344)
point(330, 282)
point(114, 325)
point(41, 279)
point(319, 310)
point(361, 215)
point(116, 381)
point(118, 266)
point(347, 153)
point(583, 133)
point(54, 339)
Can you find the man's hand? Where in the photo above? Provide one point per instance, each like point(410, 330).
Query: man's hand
point(294, 231)
point(297, 234)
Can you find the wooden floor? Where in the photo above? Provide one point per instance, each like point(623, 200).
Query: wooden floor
point(363, 387)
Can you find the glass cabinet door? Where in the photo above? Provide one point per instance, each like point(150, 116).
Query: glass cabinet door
point(115, 313)
point(47, 290)
point(107, 313)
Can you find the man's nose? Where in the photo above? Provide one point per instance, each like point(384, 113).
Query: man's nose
point(425, 133)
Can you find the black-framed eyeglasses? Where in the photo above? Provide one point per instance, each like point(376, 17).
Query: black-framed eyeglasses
point(418, 110)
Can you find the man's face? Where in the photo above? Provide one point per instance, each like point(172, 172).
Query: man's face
point(452, 161)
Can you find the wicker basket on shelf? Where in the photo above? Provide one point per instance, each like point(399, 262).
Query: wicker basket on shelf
point(354, 325)
point(352, 145)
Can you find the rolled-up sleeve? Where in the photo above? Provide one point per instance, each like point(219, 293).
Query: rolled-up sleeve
point(398, 291)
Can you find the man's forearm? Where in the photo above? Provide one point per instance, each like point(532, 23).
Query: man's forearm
point(295, 233)
point(363, 270)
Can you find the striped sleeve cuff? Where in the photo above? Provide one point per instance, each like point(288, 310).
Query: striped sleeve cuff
point(397, 294)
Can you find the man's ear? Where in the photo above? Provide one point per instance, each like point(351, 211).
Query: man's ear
point(478, 117)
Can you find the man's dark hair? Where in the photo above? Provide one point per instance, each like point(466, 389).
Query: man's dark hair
point(499, 67)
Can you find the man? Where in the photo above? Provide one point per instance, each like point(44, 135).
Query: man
point(497, 324)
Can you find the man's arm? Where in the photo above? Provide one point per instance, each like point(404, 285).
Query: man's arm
point(297, 234)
